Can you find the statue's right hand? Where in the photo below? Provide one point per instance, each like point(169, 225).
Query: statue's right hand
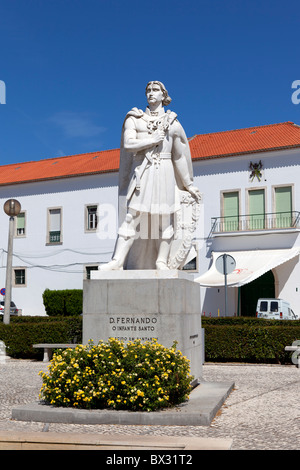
point(158, 136)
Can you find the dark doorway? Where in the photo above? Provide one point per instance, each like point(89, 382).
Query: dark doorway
point(264, 286)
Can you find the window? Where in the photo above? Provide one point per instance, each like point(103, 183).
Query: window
point(54, 226)
point(230, 211)
point(263, 306)
point(283, 206)
point(20, 225)
point(256, 209)
point(91, 218)
point(19, 277)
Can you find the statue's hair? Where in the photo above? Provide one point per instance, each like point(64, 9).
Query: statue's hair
point(167, 99)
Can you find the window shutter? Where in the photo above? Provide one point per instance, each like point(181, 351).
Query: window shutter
point(283, 202)
point(21, 221)
point(231, 210)
point(257, 209)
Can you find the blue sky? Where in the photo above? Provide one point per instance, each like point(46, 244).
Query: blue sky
point(73, 68)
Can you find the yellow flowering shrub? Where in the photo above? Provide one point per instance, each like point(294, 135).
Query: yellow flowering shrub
point(134, 376)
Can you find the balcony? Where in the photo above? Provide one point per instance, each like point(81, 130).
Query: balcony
point(255, 222)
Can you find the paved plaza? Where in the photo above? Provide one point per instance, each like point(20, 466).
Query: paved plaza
point(261, 413)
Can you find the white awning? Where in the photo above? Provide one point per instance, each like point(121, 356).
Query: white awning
point(249, 266)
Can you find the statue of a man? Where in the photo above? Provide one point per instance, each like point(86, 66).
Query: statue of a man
point(155, 163)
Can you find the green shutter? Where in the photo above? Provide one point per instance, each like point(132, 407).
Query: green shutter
point(231, 211)
point(283, 201)
point(21, 220)
point(21, 224)
point(257, 209)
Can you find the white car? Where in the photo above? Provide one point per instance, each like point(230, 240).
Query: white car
point(13, 308)
point(275, 309)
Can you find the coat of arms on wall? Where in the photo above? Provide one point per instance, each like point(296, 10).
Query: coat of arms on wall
point(255, 171)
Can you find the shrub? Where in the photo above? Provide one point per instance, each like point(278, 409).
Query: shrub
point(22, 332)
point(250, 343)
point(136, 376)
point(63, 302)
point(249, 321)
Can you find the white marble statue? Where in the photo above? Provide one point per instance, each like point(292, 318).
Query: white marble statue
point(155, 181)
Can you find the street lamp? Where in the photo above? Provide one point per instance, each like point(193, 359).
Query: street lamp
point(12, 207)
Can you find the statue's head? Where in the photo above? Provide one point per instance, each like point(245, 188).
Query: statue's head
point(167, 99)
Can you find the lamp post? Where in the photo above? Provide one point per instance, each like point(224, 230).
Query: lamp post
point(12, 207)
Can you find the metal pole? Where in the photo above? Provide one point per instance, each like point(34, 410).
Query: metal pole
point(225, 274)
point(7, 300)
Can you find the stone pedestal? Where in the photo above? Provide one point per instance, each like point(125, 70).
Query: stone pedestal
point(3, 356)
point(145, 304)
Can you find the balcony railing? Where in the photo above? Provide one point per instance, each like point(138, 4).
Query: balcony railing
point(242, 223)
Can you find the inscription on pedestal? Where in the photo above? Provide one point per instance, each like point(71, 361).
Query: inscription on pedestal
point(129, 328)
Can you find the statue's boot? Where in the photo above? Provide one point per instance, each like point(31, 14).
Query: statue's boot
point(163, 254)
point(123, 246)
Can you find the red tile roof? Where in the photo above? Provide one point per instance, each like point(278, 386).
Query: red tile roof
point(284, 135)
point(249, 140)
point(61, 167)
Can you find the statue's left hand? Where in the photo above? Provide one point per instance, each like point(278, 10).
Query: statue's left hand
point(194, 191)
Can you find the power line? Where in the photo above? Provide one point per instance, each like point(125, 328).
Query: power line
point(56, 267)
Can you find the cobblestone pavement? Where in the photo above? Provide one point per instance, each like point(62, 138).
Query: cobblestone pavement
point(261, 413)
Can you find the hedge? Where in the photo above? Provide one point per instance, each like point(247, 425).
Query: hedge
point(63, 302)
point(249, 321)
point(241, 339)
point(22, 332)
point(232, 339)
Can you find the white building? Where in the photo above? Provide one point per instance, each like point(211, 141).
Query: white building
point(249, 179)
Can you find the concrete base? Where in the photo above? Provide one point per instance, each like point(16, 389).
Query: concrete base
point(4, 359)
point(145, 304)
point(204, 402)
point(74, 441)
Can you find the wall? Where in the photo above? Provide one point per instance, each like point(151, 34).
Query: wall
point(62, 266)
point(56, 266)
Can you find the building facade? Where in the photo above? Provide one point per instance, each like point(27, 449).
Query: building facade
point(249, 179)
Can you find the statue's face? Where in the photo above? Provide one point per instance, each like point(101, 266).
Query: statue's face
point(154, 93)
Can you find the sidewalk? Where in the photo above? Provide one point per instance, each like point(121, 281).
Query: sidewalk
point(261, 413)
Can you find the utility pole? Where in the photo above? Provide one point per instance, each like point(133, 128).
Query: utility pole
point(12, 208)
